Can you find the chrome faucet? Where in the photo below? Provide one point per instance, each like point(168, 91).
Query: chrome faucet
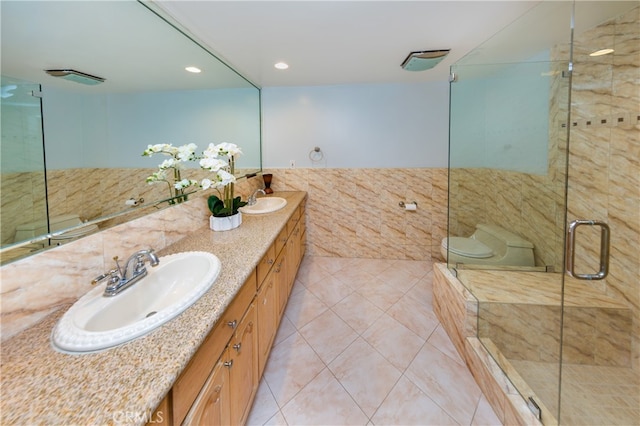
point(134, 269)
point(252, 199)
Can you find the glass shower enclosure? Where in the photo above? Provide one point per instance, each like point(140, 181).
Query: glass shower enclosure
point(545, 145)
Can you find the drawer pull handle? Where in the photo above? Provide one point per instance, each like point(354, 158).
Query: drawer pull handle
point(228, 364)
point(232, 324)
point(270, 262)
point(237, 347)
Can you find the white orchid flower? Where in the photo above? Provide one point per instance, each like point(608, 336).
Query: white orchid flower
point(210, 152)
point(187, 152)
point(227, 149)
point(165, 148)
point(206, 183)
point(160, 175)
point(185, 183)
point(167, 164)
point(213, 164)
point(225, 177)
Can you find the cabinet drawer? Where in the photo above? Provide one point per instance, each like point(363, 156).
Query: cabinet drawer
point(265, 264)
point(188, 385)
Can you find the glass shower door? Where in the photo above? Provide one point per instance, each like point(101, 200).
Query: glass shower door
point(601, 320)
point(22, 171)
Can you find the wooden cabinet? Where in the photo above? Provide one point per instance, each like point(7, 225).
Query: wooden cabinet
point(267, 302)
point(243, 367)
point(266, 263)
point(294, 255)
point(225, 398)
point(282, 280)
point(188, 386)
point(281, 240)
point(220, 382)
point(213, 405)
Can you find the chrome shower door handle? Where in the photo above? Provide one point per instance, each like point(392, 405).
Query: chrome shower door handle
point(604, 249)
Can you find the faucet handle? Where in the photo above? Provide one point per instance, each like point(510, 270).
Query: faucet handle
point(99, 278)
point(112, 275)
point(120, 271)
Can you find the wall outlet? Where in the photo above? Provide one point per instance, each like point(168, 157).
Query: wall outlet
point(292, 164)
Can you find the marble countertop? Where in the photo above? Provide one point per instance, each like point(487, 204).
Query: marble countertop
point(124, 384)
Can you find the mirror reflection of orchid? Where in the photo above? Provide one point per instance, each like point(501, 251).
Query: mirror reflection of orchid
point(169, 169)
point(220, 159)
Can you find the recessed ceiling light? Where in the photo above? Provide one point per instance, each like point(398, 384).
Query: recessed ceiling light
point(193, 69)
point(601, 52)
point(281, 66)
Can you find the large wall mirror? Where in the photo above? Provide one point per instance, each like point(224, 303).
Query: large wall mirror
point(71, 147)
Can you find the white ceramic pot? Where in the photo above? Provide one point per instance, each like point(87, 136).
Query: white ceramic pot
point(225, 223)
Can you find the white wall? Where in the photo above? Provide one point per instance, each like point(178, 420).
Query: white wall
point(360, 126)
point(356, 126)
point(113, 130)
point(500, 116)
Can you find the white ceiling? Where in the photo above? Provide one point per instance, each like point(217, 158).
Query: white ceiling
point(341, 42)
point(121, 41)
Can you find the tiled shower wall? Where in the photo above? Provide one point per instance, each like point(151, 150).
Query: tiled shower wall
point(529, 205)
point(356, 213)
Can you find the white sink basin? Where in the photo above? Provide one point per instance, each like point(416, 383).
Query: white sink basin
point(265, 205)
point(96, 322)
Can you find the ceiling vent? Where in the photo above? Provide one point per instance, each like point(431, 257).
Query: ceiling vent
point(424, 60)
point(77, 76)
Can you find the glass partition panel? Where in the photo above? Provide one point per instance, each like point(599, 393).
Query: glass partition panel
point(507, 189)
point(22, 176)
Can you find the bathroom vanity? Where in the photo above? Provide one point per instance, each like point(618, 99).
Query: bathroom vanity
point(203, 366)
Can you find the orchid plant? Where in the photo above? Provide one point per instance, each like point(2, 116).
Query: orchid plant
point(220, 159)
point(169, 169)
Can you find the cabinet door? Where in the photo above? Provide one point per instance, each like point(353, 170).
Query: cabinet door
point(243, 373)
point(212, 407)
point(282, 279)
point(291, 262)
point(267, 302)
point(265, 264)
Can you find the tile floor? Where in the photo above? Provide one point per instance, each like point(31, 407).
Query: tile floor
point(359, 344)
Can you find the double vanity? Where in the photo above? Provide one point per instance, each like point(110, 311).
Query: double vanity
point(201, 367)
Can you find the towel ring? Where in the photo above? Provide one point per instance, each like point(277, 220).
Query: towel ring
point(316, 154)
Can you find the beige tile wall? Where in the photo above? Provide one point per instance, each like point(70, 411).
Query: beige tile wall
point(355, 212)
point(351, 213)
point(34, 287)
point(88, 192)
point(22, 201)
point(529, 205)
